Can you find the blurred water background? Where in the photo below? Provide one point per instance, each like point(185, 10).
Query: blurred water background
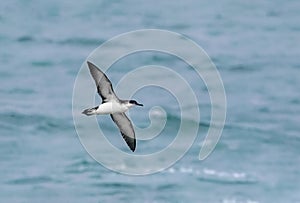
point(255, 46)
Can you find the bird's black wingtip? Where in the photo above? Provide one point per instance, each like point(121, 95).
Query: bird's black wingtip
point(132, 146)
point(131, 142)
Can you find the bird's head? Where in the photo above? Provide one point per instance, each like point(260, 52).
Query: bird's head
point(134, 103)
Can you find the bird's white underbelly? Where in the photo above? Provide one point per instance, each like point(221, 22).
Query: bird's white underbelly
point(111, 107)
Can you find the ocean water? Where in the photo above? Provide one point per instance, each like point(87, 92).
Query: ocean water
point(255, 46)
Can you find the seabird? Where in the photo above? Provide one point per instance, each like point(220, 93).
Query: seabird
point(112, 105)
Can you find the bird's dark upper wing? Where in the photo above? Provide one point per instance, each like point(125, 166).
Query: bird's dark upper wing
point(126, 129)
point(103, 84)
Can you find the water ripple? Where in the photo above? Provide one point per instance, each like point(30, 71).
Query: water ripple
point(214, 176)
point(31, 180)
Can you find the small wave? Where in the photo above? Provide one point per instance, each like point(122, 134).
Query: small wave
point(23, 91)
point(81, 41)
point(234, 200)
point(245, 126)
point(42, 63)
point(34, 122)
point(226, 177)
point(25, 38)
point(115, 185)
point(30, 180)
point(177, 118)
point(69, 41)
point(239, 200)
point(214, 176)
point(80, 165)
point(166, 186)
point(295, 101)
point(242, 68)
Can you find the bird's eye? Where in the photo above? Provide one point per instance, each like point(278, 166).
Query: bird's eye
point(132, 102)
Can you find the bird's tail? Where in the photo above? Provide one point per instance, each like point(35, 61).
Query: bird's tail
point(91, 111)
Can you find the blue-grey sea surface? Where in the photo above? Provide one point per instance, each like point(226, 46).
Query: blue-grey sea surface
point(256, 48)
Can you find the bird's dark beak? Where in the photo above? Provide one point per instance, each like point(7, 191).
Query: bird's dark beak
point(139, 104)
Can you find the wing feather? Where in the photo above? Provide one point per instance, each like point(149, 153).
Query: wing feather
point(104, 86)
point(126, 129)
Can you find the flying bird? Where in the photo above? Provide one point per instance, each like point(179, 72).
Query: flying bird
point(112, 105)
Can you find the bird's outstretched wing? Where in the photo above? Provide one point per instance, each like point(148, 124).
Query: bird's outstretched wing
point(126, 129)
point(104, 86)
